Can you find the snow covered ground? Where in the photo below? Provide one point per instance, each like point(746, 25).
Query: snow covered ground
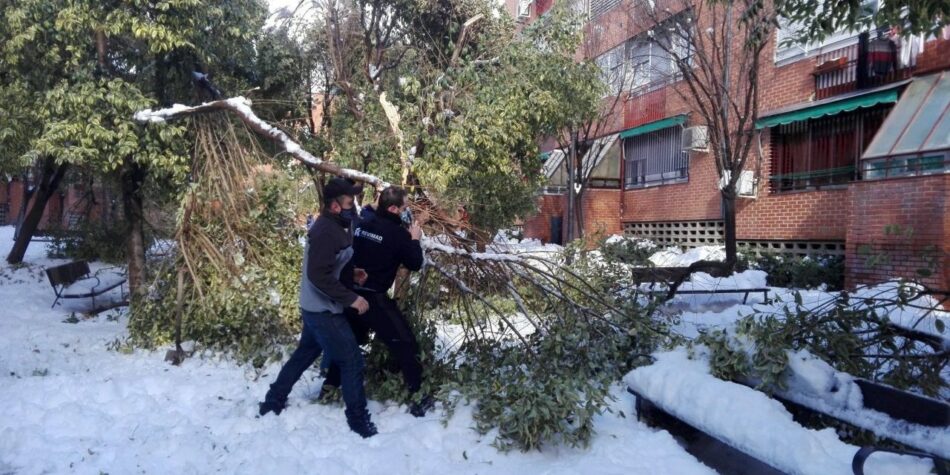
point(70, 404)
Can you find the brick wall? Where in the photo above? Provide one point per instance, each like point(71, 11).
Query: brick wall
point(697, 199)
point(936, 56)
point(798, 215)
point(920, 206)
point(601, 212)
point(600, 208)
point(65, 200)
point(538, 226)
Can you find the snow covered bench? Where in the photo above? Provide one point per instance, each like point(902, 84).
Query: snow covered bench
point(74, 281)
point(668, 275)
point(737, 429)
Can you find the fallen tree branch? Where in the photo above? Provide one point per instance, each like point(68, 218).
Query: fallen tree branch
point(241, 107)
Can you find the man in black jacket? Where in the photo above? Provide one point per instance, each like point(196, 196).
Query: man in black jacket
point(381, 244)
point(325, 293)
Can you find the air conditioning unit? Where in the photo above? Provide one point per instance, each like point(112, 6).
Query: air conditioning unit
point(524, 9)
point(696, 138)
point(746, 186)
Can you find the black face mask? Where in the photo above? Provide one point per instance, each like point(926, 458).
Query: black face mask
point(348, 214)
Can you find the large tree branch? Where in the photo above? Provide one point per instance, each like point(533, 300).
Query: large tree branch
point(241, 107)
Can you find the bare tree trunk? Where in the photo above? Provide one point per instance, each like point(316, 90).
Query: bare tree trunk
point(579, 212)
point(133, 175)
point(729, 219)
point(49, 181)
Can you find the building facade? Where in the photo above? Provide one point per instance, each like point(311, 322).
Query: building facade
point(812, 187)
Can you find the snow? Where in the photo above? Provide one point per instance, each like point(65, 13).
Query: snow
point(674, 257)
point(242, 106)
point(751, 421)
point(814, 383)
point(73, 405)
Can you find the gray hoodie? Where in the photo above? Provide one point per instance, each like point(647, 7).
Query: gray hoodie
point(326, 266)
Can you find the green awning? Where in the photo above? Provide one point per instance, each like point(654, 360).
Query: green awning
point(832, 107)
point(653, 126)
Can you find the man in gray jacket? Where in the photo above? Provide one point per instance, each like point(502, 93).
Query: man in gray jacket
point(324, 295)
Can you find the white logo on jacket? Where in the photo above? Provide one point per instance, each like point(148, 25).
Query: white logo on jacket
point(360, 233)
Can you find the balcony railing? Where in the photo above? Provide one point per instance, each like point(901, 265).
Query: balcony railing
point(856, 67)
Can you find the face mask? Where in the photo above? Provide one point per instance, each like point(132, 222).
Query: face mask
point(348, 214)
point(406, 216)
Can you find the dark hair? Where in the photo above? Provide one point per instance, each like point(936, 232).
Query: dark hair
point(338, 187)
point(392, 196)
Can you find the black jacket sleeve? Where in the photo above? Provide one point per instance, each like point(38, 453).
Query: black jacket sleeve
point(410, 254)
point(320, 263)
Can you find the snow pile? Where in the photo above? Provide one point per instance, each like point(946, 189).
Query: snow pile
point(530, 246)
point(674, 257)
point(72, 405)
point(751, 421)
point(814, 383)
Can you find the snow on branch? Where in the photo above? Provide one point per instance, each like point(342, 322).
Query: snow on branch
point(241, 107)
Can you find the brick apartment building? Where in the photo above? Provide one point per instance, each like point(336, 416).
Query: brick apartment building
point(69, 205)
point(830, 179)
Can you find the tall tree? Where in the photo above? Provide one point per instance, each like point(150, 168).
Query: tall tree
point(447, 97)
point(717, 50)
point(86, 66)
point(591, 104)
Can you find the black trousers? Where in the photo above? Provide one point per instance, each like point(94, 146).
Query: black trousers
point(391, 327)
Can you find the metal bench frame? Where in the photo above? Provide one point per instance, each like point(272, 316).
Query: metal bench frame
point(665, 275)
point(62, 276)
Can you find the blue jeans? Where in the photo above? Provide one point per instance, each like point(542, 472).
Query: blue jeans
point(332, 333)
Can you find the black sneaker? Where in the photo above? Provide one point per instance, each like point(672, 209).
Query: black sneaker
point(362, 426)
point(271, 406)
point(420, 408)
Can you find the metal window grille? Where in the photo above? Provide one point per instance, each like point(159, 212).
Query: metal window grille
point(656, 158)
point(822, 152)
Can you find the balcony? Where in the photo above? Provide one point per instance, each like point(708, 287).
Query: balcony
point(867, 64)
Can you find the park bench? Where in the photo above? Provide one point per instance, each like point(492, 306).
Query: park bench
point(74, 281)
point(668, 275)
point(724, 456)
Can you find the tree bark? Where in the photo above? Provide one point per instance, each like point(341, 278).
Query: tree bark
point(52, 175)
point(133, 174)
point(729, 220)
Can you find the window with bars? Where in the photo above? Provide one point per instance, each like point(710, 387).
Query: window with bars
point(599, 7)
point(656, 158)
point(822, 152)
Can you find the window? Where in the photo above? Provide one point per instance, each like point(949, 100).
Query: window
point(656, 158)
point(822, 152)
point(555, 168)
point(604, 157)
point(599, 7)
point(787, 50)
point(612, 69)
point(892, 167)
point(653, 57)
